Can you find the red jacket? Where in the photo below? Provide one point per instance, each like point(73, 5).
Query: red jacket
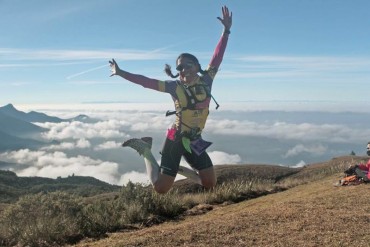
point(365, 168)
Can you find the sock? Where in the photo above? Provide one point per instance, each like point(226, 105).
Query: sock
point(189, 173)
point(152, 167)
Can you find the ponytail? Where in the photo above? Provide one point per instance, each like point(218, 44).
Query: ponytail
point(202, 72)
point(167, 69)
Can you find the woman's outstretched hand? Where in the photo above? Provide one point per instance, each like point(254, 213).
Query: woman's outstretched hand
point(227, 18)
point(114, 67)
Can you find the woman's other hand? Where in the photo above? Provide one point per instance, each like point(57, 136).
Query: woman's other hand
point(114, 67)
point(227, 18)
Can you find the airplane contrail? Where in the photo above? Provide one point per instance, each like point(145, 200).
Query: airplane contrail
point(86, 71)
point(150, 52)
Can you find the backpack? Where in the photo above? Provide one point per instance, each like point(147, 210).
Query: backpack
point(191, 98)
point(351, 170)
point(350, 180)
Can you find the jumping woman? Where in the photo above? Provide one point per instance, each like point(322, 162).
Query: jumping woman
point(191, 94)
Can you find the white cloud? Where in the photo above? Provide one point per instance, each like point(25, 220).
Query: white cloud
point(149, 121)
point(81, 143)
point(282, 130)
point(134, 177)
point(125, 119)
point(79, 55)
point(55, 164)
point(61, 146)
point(311, 149)
point(23, 156)
point(79, 130)
point(311, 64)
point(108, 145)
point(112, 128)
point(222, 158)
point(299, 164)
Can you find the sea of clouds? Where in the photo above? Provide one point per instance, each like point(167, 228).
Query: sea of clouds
point(239, 136)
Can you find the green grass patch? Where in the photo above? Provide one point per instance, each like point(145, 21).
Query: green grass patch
point(58, 218)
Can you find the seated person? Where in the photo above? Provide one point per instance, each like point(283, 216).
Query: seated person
point(361, 170)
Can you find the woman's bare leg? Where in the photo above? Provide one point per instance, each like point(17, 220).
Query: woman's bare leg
point(162, 183)
point(190, 173)
point(208, 177)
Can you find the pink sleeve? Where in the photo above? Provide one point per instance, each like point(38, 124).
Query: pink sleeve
point(363, 167)
point(141, 80)
point(366, 168)
point(219, 51)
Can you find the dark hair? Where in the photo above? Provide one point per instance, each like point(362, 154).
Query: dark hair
point(167, 68)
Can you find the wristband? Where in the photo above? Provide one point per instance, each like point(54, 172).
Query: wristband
point(227, 31)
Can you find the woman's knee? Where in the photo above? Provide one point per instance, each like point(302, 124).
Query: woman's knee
point(208, 177)
point(209, 183)
point(163, 184)
point(161, 189)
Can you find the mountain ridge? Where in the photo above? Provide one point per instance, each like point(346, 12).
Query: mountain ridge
point(32, 116)
point(39, 117)
point(10, 142)
point(18, 131)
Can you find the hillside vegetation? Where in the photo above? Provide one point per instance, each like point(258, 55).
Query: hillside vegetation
point(13, 187)
point(310, 215)
point(314, 213)
point(243, 210)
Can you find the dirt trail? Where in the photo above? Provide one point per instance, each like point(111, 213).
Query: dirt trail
point(314, 214)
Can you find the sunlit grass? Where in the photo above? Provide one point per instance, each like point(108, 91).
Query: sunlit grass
point(58, 218)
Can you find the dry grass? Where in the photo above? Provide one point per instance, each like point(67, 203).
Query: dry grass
point(312, 214)
point(3, 206)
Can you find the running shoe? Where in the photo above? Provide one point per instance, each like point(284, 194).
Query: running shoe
point(139, 144)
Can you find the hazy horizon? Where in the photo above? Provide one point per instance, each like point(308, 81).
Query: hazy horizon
point(239, 136)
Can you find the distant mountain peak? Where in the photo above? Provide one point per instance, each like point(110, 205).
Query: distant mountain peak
point(9, 107)
point(83, 118)
point(11, 110)
point(34, 116)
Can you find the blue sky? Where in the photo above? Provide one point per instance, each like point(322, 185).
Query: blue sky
point(307, 50)
point(297, 54)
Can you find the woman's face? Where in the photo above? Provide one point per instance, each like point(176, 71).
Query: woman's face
point(187, 69)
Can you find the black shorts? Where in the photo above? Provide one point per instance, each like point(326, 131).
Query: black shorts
point(171, 156)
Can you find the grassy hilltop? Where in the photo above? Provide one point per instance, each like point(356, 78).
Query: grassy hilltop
point(312, 214)
point(253, 205)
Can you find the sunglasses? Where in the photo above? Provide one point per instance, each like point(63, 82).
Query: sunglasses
point(187, 65)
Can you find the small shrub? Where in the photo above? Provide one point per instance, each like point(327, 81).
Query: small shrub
point(167, 205)
point(135, 200)
point(102, 217)
point(43, 220)
point(134, 213)
point(139, 202)
point(235, 191)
